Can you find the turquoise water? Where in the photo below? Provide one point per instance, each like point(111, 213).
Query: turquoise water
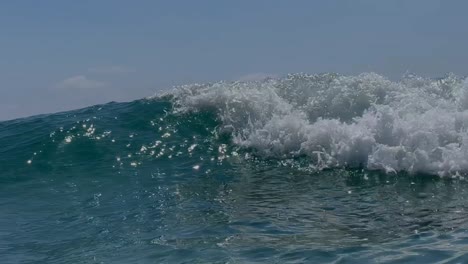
point(239, 173)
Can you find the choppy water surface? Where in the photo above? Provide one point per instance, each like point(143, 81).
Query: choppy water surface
point(307, 168)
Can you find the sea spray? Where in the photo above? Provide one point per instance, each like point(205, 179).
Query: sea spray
point(417, 125)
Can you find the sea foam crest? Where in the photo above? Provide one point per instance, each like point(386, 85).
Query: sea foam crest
point(416, 125)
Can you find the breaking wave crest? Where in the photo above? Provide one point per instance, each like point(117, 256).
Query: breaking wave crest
point(415, 125)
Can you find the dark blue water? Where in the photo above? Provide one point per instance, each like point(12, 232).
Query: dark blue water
point(139, 183)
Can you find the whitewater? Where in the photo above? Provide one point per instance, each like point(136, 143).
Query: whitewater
point(416, 125)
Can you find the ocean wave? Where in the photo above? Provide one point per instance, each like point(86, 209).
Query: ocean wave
point(416, 124)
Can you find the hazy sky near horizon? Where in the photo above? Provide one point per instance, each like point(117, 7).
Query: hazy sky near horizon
point(63, 54)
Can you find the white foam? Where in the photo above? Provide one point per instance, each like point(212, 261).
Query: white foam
point(413, 125)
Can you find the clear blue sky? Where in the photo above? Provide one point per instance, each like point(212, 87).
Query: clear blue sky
point(65, 54)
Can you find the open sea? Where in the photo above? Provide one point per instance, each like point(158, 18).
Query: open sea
point(301, 169)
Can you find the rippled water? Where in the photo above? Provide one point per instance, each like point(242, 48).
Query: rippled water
point(215, 174)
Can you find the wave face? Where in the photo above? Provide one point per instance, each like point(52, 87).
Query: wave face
point(416, 125)
point(303, 169)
